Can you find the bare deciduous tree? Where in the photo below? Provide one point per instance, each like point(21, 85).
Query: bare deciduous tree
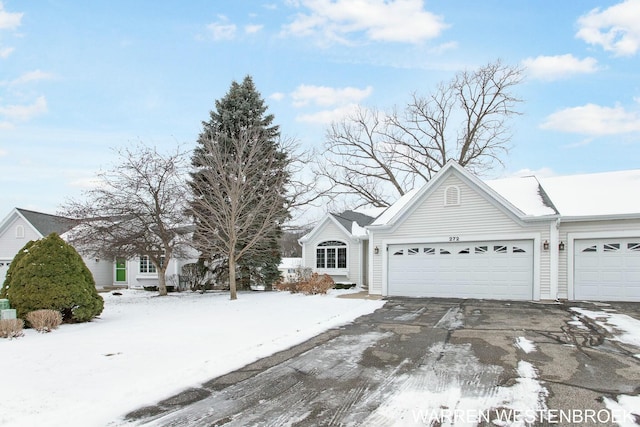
point(380, 156)
point(237, 199)
point(137, 209)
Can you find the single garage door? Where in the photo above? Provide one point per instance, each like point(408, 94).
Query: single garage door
point(607, 269)
point(490, 270)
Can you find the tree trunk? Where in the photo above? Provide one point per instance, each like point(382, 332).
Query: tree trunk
point(232, 276)
point(162, 282)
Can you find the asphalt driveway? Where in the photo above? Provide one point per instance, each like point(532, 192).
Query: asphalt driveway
point(434, 362)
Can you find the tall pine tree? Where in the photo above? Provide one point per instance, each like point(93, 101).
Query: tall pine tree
point(240, 169)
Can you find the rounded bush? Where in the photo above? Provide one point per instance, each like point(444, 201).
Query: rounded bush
point(50, 274)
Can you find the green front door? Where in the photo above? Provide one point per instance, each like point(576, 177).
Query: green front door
point(121, 270)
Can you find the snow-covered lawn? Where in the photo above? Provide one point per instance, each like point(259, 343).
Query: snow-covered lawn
point(144, 348)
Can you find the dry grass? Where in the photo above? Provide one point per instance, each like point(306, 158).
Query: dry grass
point(44, 320)
point(11, 328)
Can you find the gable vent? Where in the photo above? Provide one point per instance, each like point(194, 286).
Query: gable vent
point(452, 195)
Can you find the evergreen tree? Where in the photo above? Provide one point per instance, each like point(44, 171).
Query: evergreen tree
point(50, 274)
point(240, 123)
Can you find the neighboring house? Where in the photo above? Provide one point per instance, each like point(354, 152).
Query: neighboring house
point(289, 268)
point(22, 225)
point(568, 237)
point(338, 246)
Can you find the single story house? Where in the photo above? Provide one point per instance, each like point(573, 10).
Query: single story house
point(566, 237)
point(22, 225)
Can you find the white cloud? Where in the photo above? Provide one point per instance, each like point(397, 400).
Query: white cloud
point(252, 29)
point(616, 28)
point(403, 21)
point(543, 172)
point(87, 182)
point(559, 66)
point(31, 76)
point(277, 96)
point(5, 52)
point(328, 116)
point(9, 20)
point(592, 119)
point(3, 153)
point(328, 96)
point(222, 29)
point(23, 113)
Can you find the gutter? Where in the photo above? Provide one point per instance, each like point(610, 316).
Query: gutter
point(607, 217)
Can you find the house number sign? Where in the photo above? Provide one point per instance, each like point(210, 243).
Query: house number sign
point(454, 238)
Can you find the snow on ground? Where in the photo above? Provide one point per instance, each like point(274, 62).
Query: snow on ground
point(144, 348)
point(626, 327)
point(525, 344)
point(624, 409)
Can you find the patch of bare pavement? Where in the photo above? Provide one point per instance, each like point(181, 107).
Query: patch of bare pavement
point(435, 362)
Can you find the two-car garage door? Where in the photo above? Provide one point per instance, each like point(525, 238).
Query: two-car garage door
point(491, 269)
point(607, 269)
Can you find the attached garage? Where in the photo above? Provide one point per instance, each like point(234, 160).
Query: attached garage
point(607, 269)
point(485, 269)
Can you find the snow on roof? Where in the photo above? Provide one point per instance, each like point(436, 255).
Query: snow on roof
point(609, 193)
point(358, 231)
point(290, 263)
point(395, 208)
point(523, 193)
point(371, 211)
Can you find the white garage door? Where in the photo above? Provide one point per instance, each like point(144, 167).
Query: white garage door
point(491, 270)
point(607, 269)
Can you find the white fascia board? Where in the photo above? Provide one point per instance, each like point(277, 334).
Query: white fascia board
point(611, 217)
point(317, 228)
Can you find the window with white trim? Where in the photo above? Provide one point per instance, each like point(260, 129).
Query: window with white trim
point(20, 232)
point(146, 266)
point(331, 254)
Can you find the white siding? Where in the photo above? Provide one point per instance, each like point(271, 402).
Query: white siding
point(10, 244)
point(475, 218)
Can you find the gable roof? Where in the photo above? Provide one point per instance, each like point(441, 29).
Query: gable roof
point(351, 222)
point(533, 203)
point(46, 224)
point(575, 197)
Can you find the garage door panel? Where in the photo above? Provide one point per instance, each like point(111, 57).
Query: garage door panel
point(501, 269)
point(607, 269)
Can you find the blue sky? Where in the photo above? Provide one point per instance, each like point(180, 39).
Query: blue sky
point(79, 78)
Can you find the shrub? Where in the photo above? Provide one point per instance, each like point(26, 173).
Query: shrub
point(50, 274)
point(11, 328)
point(317, 284)
point(311, 285)
point(281, 285)
point(44, 320)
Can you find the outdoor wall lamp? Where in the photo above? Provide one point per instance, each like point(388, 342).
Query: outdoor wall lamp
point(376, 250)
point(545, 245)
point(561, 246)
